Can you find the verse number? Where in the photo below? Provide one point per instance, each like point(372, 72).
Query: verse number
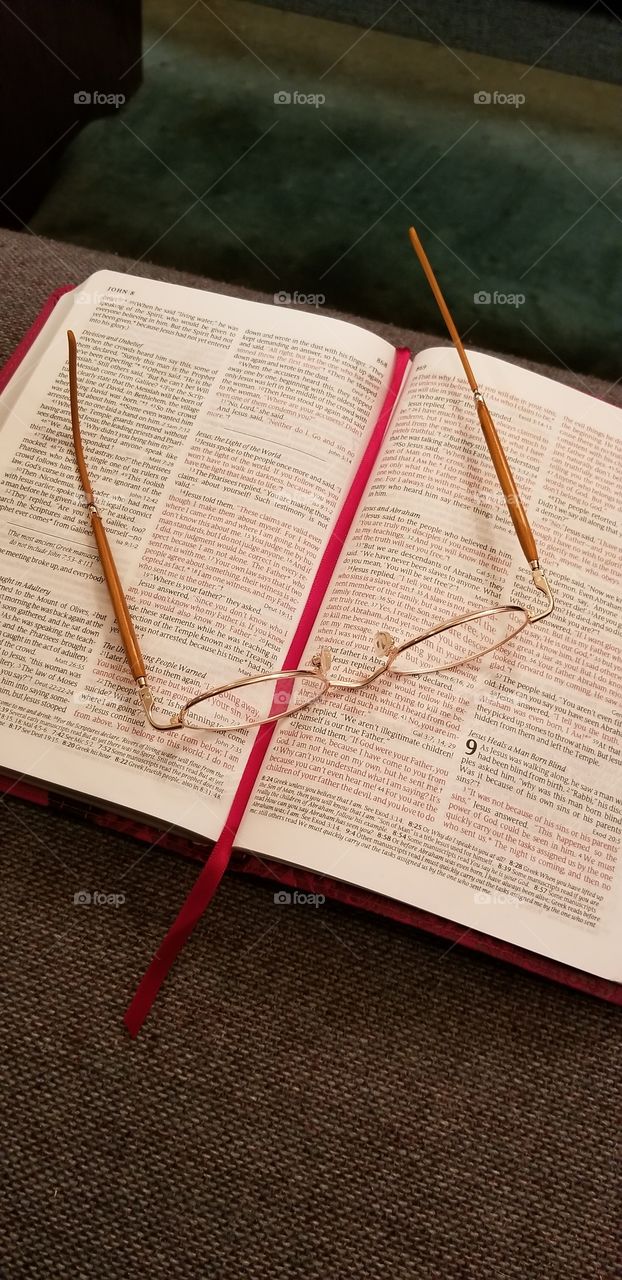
point(471, 746)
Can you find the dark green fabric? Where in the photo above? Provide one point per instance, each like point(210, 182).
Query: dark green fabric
point(565, 36)
point(494, 189)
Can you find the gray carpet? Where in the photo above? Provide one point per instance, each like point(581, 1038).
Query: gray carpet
point(318, 1095)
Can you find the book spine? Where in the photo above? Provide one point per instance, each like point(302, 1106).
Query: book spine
point(9, 367)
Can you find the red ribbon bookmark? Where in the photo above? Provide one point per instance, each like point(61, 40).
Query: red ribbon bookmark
point(201, 893)
point(207, 883)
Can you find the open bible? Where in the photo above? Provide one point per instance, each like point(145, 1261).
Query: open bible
point(224, 440)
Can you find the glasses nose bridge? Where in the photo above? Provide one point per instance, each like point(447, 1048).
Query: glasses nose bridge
point(385, 644)
point(385, 654)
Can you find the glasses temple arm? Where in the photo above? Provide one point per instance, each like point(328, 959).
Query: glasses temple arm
point(500, 463)
point(119, 603)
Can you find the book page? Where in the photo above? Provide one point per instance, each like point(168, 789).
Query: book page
point(220, 437)
point(489, 794)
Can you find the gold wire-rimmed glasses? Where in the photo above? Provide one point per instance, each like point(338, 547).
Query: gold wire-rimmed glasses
point(263, 699)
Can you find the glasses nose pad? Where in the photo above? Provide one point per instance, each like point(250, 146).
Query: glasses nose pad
point(384, 643)
point(322, 661)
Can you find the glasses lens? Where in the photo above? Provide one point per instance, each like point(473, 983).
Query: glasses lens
point(460, 642)
point(253, 701)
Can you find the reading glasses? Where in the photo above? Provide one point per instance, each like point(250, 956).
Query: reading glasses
point(262, 699)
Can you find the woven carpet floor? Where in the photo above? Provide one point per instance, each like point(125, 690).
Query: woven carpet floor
point(204, 170)
point(313, 1098)
point(318, 1094)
